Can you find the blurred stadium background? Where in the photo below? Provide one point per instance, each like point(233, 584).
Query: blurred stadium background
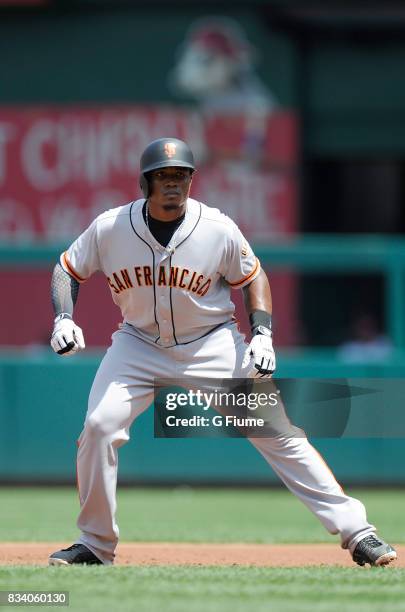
point(296, 113)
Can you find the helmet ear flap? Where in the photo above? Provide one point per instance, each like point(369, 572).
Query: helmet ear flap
point(144, 183)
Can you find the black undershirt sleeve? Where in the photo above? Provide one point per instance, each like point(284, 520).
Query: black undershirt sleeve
point(64, 291)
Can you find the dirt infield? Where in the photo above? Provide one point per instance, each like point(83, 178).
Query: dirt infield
point(161, 553)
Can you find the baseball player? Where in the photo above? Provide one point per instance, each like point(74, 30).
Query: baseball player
point(170, 263)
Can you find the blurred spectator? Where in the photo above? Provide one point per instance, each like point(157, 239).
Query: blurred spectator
point(216, 67)
point(367, 343)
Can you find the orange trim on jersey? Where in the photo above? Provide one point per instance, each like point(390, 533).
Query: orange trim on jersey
point(248, 276)
point(70, 269)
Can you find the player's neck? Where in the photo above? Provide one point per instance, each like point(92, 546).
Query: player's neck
point(165, 213)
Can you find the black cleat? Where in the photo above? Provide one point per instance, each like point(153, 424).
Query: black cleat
point(373, 551)
point(77, 553)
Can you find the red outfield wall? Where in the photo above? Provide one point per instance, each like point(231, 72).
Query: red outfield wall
point(60, 167)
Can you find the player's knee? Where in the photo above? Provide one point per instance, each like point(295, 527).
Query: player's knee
point(96, 427)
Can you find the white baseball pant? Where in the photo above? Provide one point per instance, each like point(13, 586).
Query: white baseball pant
point(123, 389)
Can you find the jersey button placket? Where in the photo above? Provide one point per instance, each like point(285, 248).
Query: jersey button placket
point(164, 310)
point(163, 306)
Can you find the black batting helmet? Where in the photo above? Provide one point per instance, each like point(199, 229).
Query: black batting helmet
point(164, 153)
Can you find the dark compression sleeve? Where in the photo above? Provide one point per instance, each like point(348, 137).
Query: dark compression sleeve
point(64, 291)
point(259, 317)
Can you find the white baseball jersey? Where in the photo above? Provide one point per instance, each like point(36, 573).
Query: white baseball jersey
point(170, 295)
point(173, 298)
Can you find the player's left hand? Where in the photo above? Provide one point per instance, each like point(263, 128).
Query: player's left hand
point(261, 352)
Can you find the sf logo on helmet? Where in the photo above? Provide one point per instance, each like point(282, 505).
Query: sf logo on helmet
point(170, 149)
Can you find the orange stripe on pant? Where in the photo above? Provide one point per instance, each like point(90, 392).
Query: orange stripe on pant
point(327, 467)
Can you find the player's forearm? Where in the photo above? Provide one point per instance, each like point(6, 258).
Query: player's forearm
point(258, 303)
point(64, 291)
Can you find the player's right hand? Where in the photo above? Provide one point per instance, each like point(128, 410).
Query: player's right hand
point(67, 337)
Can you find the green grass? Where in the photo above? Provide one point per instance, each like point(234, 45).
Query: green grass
point(194, 515)
point(190, 515)
point(235, 589)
